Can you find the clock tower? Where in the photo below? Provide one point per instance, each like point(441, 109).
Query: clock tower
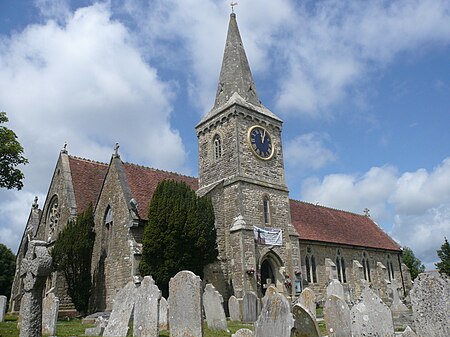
point(241, 168)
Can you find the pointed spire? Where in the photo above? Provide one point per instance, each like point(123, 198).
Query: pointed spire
point(235, 75)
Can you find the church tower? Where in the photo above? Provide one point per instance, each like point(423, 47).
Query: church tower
point(241, 168)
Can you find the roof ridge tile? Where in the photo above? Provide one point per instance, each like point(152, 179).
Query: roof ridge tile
point(332, 208)
point(87, 160)
point(159, 170)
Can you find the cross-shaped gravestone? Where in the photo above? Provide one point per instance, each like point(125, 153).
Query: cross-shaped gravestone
point(36, 266)
point(397, 304)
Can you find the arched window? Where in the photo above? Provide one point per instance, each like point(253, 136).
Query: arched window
point(344, 277)
point(313, 265)
point(53, 216)
point(340, 266)
point(108, 223)
point(390, 268)
point(366, 267)
point(308, 269)
point(217, 146)
point(266, 209)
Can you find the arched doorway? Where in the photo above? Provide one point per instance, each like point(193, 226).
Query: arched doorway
point(270, 271)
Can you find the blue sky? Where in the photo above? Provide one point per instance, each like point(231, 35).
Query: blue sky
point(363, 89)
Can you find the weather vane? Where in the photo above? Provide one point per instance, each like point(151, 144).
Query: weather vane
point(232, 4)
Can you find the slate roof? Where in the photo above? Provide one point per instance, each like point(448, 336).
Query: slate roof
point(143, 181)
point(319, 223)
point(87, 179)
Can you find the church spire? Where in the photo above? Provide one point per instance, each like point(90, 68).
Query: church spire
point(235, 75)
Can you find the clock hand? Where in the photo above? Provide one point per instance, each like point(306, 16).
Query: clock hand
point(263, 136)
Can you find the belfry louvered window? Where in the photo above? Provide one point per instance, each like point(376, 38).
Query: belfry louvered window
point(217, 146)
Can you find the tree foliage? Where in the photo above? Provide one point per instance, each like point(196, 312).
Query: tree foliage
point(11, 155)
point(412, 262)
point(72, 256)
point(444, 255)
point(180, 234)
point(7, 269)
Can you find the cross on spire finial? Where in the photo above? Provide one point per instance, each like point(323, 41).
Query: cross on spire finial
point(232, 4)
point(116, 151)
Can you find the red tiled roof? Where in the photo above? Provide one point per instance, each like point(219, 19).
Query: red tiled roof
point(319, 223)
point(144, 180)
point(87, 179)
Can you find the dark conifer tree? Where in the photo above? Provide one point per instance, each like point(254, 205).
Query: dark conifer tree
point(72, 255)
point(180, 234)
point(444, 254)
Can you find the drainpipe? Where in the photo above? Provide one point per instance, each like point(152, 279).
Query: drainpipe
point(401, 274)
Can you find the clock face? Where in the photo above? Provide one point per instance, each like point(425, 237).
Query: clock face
point(260, 142)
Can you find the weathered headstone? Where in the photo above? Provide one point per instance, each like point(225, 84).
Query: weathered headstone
point(249, 307)
point(409, 332)
point(234, 308)
point(243, 333)
point(275, 318)
point(36, 266)
point(308, 300)
point(163, 314)
point(146, 309)
point(100, 324)
point(214, 312)
point(397, 304)
point(371, 317)
point(185, 305)
point(50, 307)
point(430, 299)
point(123, 305)
point(304, 323)
point(2, 307)
point(335, 288)
point(336, 314)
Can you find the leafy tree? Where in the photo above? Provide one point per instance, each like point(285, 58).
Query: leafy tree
point(444, 255)
point(11, 155)
point(72, 254)
point(180, 234)
point(7, 269)
point(412, 262)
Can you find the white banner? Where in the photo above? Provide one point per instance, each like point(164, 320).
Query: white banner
point(271, 236)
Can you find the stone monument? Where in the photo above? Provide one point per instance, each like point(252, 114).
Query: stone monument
point(336, 314)
point(249, 307)
point(36, 266)
point(308, 300)
point(50, 307)
point(146, 309)
point(163, 314)
point(304, 323)
point(235, 309)
point(214, 312)
point(3, 302)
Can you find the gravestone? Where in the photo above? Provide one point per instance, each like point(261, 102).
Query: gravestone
point(146, 309)
point(336, 314)
point(397, 305)
point(371, 317)
point(409, 332)
point(163, 314)
point(249, 307)
point(50, 307)
point(36, 266)
point(100, 324)
point(335, 288)
point(275, 318)
point(331, 270)
point(243, 333)
point(123, 305)
point(2, 307)
point(430, 299)
point(304, 323)
point(185, 305)
point(214, 312)
point(234, 308)
point(308, 300)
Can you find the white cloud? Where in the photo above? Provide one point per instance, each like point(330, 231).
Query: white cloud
point(308, 151)
point(415, 205)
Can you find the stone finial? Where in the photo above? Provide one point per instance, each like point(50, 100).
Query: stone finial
point(233, 4)
point(366, 212)
point(64, 149)
point(35, 204)
point(116, 151)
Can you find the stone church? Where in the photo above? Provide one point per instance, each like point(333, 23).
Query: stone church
point(263, 236)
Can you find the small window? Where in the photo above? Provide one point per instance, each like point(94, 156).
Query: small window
point(390, 268)
point(217, 144)
point(314, 274)
point(266, 207)
point(308, 269)
point(366, 268)
point(344, 277)
point(108, 219)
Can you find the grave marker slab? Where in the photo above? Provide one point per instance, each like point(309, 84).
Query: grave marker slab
point(308, 300)
point(235, 309)
point(163, 314)
point(146, 309)
point(336, 314)
point(249, 307)
point(304, 323)
point(430, 299)
point(335, 288)
point(214, 311)
point(3, 303)
point(409, 332)
point(185, 305)
point(397, 304)
point(100, 324)
point(243, 333)
point(122, 309)
point(371, 317)
point(50, 307)
point(275, 318)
